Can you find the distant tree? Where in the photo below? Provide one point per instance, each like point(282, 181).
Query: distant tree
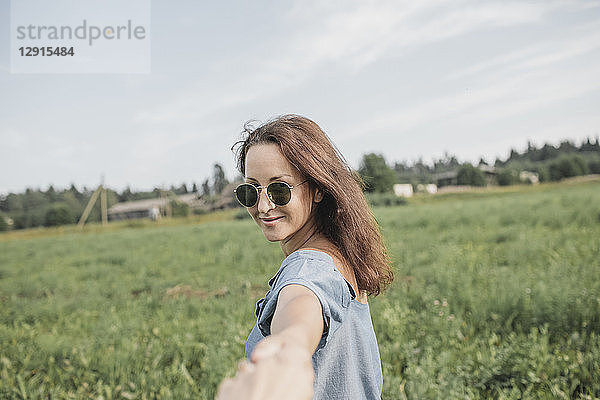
point(126, 195)
point(179, 209)
point(58, 214)
point(9, 203)
point(205, 188)
point(588, 145)
point(482, 161)
point(567, 166)
point(470, 175)
point(513, 155)
point(421, 168)
point(547, 152)
point(34, 199)
point(75, 206)
point(219, 179)
point(194, 188)
point(594, 166)
point(3, 224)
point(51, 194)
point(447, 163)
point(182, 189)
point(507, 176)
point(401, 167)
point(582, 166)
point(566, 146)
point(376, 173)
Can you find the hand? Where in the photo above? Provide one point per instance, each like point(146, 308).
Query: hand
point(278, 370)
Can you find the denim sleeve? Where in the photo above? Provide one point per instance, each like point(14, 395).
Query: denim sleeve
point(323, 280)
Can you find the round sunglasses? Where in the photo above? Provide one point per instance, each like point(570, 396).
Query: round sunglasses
point(279, 193)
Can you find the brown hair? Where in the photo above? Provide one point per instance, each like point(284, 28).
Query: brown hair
point(343, 215)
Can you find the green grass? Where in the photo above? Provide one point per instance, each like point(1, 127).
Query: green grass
point(497, 295)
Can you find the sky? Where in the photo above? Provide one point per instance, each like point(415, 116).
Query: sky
point(405, 79)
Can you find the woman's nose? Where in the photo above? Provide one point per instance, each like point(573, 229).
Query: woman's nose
point(264, 203)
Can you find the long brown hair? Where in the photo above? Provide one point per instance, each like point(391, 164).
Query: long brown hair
point(343, 215)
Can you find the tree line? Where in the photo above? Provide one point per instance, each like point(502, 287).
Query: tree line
point(550, 163)
point(51, 207)
point(36, 207)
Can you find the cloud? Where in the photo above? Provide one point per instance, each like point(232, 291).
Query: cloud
point(539, 55)
point(348, 34)
point(363, 32)
point(500, 100)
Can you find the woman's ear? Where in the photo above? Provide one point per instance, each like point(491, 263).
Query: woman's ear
point(318, 196)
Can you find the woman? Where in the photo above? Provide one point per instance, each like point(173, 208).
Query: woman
point(301, 193)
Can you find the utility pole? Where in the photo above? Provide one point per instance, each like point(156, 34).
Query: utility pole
point(103, 203)
point(100, 191)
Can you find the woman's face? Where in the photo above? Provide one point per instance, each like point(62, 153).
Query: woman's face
point(265, 163)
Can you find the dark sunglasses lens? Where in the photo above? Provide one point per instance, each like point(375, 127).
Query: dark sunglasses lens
point(246, 195)
point(279, 193)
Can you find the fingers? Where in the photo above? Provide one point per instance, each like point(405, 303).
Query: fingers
point(273, 376)
point(240, 386)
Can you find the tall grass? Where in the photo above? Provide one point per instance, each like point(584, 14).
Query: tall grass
point(496, 296)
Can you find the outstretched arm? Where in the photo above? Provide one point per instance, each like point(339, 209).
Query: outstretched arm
point(298, 321)
point(282, 362)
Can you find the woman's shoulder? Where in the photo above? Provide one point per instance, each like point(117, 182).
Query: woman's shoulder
point(310, 263)
point(316, 270)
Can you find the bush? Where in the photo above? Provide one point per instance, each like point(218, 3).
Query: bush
point(29, 219)
point(582, 166)
point(508, 176)
point(470, 175)
point(567, 166)
point(3, 224)
point(58, 214)
point(179, 209)
point(594, 166)
point(542, 171)
point(384, 199)
point(376, 174)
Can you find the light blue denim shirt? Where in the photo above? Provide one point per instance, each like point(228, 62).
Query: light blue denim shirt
point(346, 362)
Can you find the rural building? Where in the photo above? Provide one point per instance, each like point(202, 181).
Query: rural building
point(157, 207)
point(151, 208)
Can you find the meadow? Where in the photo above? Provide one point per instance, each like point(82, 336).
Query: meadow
point(497, 295)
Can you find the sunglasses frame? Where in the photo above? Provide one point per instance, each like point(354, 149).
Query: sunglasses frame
point(259, 188)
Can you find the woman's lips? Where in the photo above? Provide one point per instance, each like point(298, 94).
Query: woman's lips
point(270, 221)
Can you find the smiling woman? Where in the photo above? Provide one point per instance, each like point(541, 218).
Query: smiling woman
point(301, 193)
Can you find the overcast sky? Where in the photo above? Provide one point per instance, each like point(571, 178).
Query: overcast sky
point(407, 79)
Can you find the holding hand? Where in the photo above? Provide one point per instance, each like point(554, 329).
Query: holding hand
point(278, 370)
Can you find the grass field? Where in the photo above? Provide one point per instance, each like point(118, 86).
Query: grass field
point(497, 295)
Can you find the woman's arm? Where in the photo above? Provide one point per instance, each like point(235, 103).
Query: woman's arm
point(297, 321)
point(281, 363)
